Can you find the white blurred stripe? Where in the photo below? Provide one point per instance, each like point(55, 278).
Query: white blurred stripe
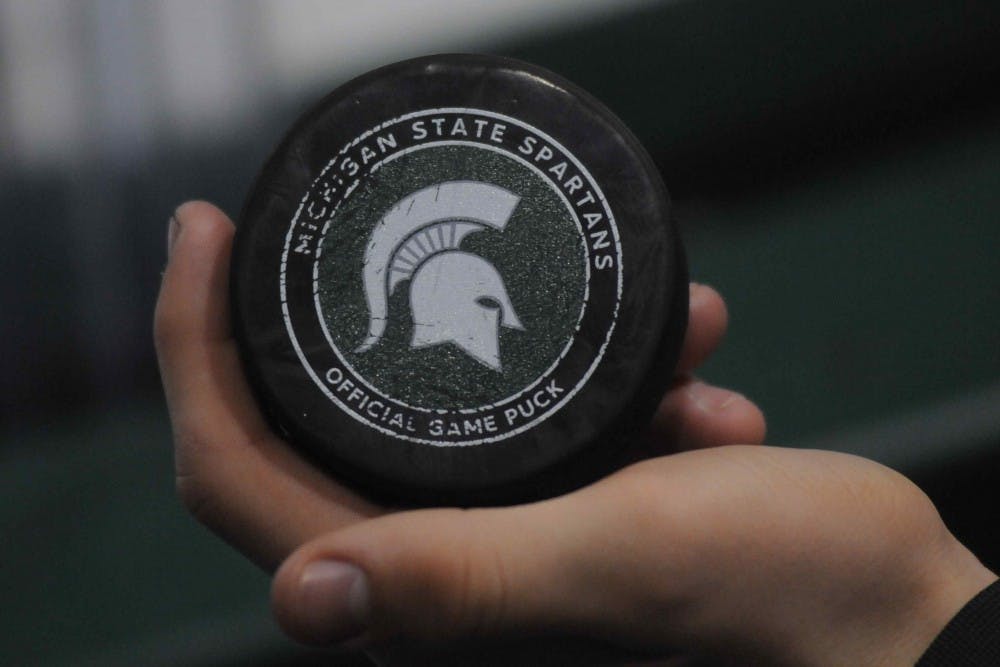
point(110, 77)
point(125, 84)
point(44, 79)
point(323, 40)
point(204, 63)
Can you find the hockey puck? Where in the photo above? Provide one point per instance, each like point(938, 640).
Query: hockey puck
point(457, 281)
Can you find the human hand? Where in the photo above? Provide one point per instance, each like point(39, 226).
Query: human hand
point(776, 556)
point(248, 486)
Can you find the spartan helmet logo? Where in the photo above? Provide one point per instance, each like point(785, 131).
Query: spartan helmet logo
point(455, 296)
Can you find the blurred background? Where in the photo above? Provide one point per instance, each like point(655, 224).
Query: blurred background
point(835, 167)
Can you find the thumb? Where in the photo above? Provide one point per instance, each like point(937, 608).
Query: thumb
point(447, 574)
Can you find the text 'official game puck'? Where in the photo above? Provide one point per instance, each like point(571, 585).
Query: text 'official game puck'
point(456, 280)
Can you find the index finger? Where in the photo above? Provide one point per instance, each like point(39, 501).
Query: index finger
point(232, 472)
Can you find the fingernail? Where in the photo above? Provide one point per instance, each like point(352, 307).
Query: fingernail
point(173, 229)
point(712, 399)
point(334, 600)
point(697, 292)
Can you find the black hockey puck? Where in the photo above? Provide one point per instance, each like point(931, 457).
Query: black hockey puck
point(456, 281)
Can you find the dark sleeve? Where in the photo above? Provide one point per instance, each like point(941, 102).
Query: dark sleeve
point(972, 638)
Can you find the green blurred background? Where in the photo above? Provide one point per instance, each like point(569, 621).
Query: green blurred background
point(835, 168)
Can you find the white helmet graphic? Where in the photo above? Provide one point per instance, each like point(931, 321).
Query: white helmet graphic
point(455, 296)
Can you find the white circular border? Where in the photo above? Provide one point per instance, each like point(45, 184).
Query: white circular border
point(507, 434)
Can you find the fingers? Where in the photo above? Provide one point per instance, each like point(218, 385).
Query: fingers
point(204, 384)
point(696, 415)
point(707, 321)
point(231, 472)
point(445, 575)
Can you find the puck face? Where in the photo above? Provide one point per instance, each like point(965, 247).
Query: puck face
point(450, 276)
point(431, 283)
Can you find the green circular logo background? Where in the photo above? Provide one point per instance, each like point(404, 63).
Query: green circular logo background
point(540, 255)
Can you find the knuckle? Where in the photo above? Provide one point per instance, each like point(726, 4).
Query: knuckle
point(468, 609)
point(481, 605)
point(461, 595)
point(193, 496)
point(195, 481)
point(495, 614)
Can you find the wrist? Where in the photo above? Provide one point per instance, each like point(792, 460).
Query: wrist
point(958, 579)
point(928, 592)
